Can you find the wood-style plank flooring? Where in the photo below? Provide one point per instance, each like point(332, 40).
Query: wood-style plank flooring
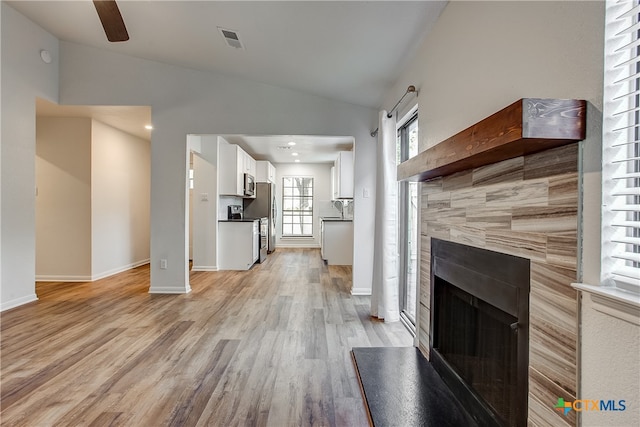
point(269, 346)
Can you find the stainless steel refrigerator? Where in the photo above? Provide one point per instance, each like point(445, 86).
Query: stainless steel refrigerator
point(264, 205)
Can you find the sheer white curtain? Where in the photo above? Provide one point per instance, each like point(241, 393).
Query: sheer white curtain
point(384, 295)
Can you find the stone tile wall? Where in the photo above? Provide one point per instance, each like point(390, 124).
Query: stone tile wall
point(527, 206)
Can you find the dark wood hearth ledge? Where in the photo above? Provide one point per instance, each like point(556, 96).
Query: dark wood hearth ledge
point(527, 126)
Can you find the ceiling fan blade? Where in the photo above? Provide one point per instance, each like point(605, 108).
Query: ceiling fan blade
point(112, 21)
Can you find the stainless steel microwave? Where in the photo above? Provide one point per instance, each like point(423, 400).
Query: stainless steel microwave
point(249, 185)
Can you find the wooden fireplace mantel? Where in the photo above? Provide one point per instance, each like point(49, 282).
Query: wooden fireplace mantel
point(527, 126)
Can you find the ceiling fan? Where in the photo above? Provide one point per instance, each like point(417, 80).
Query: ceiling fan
point(112, 21)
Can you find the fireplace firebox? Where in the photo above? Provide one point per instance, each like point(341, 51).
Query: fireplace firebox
point(479, 340)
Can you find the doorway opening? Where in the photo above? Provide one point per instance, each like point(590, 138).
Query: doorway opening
point(93, 174)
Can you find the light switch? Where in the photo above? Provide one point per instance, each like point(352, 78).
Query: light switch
point(365, 192)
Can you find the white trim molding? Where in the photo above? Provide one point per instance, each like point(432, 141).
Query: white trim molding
point(297, 243)
point(68, 279)
point(204, 268)
point(613, 301)
point(93, 277)
point(170, 290)
point(117, 270)
point(18, 302)
point(361, 291)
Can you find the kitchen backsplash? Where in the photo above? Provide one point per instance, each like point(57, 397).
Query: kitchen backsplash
point(331, 208)
point(224, 203)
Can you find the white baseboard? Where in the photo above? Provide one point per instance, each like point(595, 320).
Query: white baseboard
point(49, 278)
point(18, 302)
point(119, 269)
point(170, 289)
point(297, 245)
point(92, 278)
point(361, 291)
point(204, 268)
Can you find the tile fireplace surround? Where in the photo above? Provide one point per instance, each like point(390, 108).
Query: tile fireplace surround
point(510, 184)
point(526, 206)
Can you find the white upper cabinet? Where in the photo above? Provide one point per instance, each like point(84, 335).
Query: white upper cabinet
point(266, 172)
point(343, 176)
point(233, 163)
point(333, 182)
point(249, 164)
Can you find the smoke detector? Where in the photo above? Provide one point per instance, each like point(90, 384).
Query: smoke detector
point(231, 38)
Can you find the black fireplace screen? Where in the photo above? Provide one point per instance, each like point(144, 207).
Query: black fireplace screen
point(476, 339)
point(479, 340)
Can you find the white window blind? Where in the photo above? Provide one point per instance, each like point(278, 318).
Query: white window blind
point(621, 146)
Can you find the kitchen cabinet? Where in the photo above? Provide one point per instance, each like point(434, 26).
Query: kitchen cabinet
point(343, 176)
point(238, 244)
point(233, 163)
point(265, 172)
point(249, 164)
point(336, 241)
point(333, 182)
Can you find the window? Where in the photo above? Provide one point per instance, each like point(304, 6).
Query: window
point(408, 129)
point(407, 147)
point(297, 206)
point(621, 147)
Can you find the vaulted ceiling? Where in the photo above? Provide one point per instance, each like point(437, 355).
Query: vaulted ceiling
point(351, 51)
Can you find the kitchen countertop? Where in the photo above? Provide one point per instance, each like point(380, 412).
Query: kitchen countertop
point(335, 218)
point(239, 220)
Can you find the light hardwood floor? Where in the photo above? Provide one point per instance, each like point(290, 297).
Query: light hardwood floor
point(269, 346)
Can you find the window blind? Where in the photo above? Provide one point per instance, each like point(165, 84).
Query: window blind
point(621, 146)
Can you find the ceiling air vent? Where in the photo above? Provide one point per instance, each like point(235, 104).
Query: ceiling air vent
point(232, 38)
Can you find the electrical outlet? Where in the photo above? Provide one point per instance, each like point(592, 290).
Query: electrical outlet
point(365, 193)
point(204, 197)
point(163, 264)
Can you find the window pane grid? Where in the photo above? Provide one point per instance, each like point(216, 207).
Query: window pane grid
point(297, 206)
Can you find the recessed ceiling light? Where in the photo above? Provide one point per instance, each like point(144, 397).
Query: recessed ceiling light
point(148, 127)
point(294, 154)
point(291, 143)
point(297, 160)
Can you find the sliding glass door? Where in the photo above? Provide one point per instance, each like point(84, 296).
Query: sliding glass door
point(408, 223)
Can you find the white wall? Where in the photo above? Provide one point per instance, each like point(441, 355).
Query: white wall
point(92, 207)
point(63, 201)
point(205, 213)
point(364, 181)
point(24, 77)
point(610, 366)
point(321, 174)
point(482, 56)
point(120, 190)
point(187, 101)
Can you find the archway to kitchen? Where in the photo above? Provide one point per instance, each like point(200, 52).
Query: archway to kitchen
point(218, 167)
